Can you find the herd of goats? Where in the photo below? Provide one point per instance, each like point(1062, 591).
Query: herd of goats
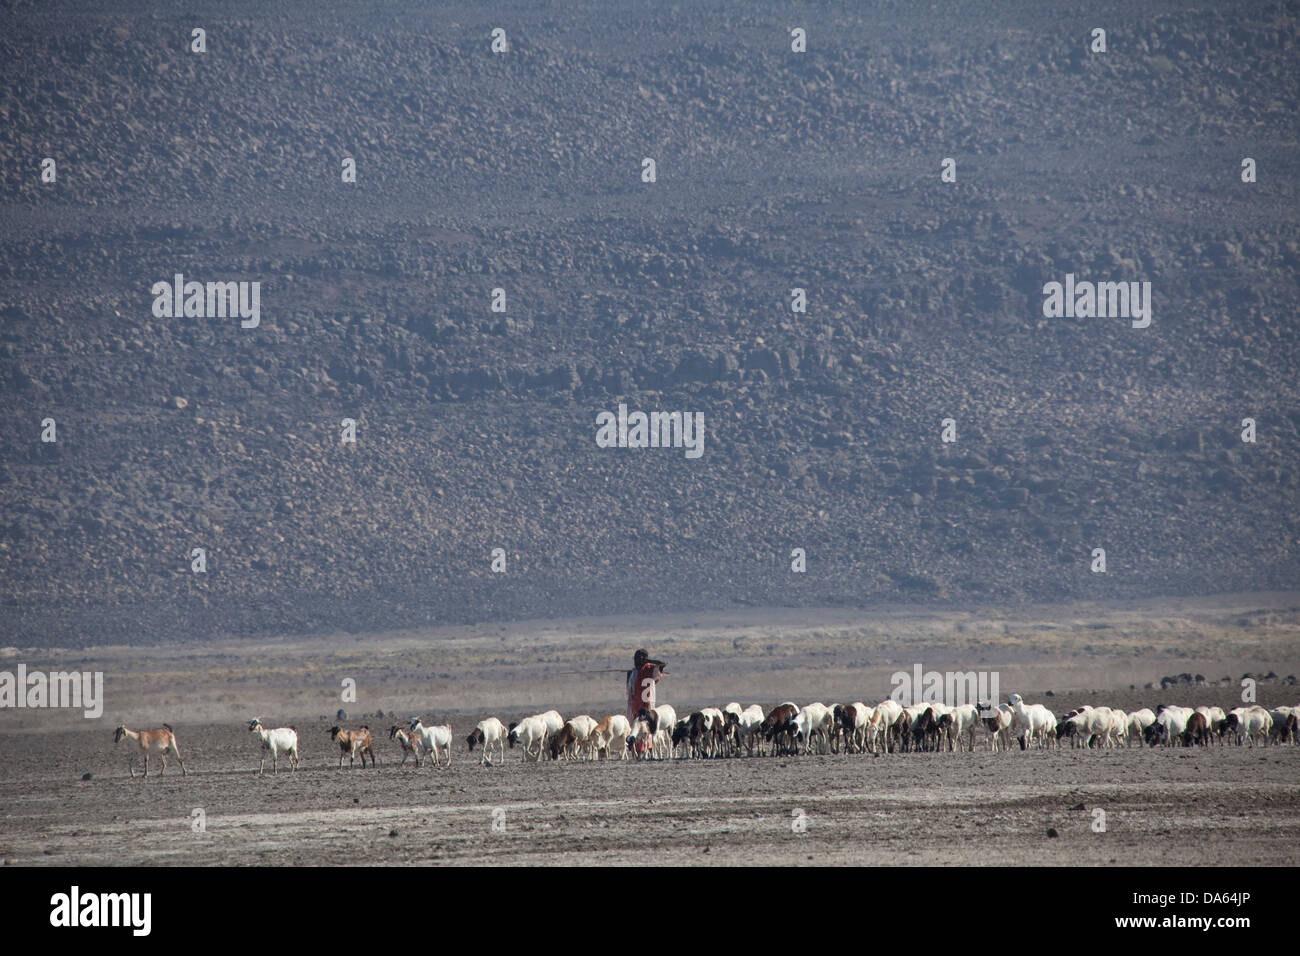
point(787, 729)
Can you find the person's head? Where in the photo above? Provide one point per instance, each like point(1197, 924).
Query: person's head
point(640, 657)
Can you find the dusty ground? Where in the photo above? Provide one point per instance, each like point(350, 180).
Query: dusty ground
point(1220, 806)
point(1230, 806)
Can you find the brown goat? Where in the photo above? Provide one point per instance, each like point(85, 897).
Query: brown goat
point(408, 745)
point(778, 728)
point(353, 742)
point(564, 744)
point(152, 741)
point(1198, 730)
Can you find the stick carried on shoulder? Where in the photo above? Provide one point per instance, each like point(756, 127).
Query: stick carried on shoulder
point(663, 668)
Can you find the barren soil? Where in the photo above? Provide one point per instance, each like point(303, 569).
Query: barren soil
point(1221, 805)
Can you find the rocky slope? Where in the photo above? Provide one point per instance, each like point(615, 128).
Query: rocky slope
point(476, 429)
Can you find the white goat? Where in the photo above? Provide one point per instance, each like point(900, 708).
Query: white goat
point(815, 720)
point(887, 712)
point(750, 720)
point(530, 733)
point(1283, 726)
point(1170, 725)
point(1031, 722)
point(964, 721)
point(1119, 727)
point(487, 733)
point(282, 740)
point(661, 740)
point(1089, 722)
point(432, 740)
point(1138, 722)
point(1250, 722)
point(554, 722)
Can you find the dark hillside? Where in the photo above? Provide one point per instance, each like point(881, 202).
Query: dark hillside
point(522, 171)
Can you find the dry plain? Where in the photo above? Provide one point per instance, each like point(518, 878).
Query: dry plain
point(1219, 805)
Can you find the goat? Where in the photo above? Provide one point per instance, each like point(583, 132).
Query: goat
point(645, 730)
point(1169, 726)
point(779, 728)
point(564, 744)
point(715, 725)
point(281, 740)
point(1138, 722)
point(746, 727)
point(1119, 727)
point(486, 733)
point(880, 730)
point(151, 741)
point(613, 732)
point(1031, 722)
point(530, 732)
point(554, 723)
point(704, 730)
point(432, 740)
point(653, 730)
point(912, 715)
point(963, 721)
point(656, 726)
point(1087, 723)
point(408, 745)
point(1198, 730)
point(900, 733)
point(351, 743)
point(574, 737)
point(940, 737)
point(815, 720)
point(925, 731)
point(682, 744)
point(583, 727)
point(1284, 724)
point(997, 722)
point(1248, 722)
point(852, 721)
point(666, 717)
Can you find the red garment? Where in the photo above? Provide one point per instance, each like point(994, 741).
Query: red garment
point(641, 688)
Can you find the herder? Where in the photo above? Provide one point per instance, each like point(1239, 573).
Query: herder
point(641, 681)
